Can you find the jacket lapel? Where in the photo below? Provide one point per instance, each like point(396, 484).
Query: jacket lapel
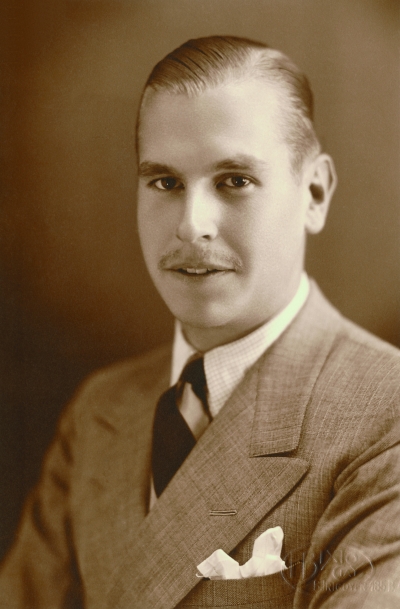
point(224, 488)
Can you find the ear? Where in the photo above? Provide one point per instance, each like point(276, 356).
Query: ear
point(321, 183)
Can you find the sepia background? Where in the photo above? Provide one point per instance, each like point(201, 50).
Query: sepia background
point(74, 291)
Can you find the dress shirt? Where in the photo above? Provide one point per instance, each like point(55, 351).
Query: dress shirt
point(226, 366)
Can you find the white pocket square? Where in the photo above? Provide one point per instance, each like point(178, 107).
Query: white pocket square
point(266, 559)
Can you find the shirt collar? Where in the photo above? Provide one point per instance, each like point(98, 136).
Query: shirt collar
point(225, 366)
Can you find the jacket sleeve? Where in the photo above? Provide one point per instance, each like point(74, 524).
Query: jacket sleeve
point(354, 559)
point(39, 572)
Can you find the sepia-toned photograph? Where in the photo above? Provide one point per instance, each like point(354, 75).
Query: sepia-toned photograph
point(200, 304)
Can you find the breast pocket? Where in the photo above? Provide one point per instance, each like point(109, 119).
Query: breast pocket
point(268, 592)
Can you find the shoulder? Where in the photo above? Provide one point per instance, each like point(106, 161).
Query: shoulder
point(360, 371)
point(138, 372)
point(354, 343)
point(123, 387)
point(362, 376)
point(366, 357)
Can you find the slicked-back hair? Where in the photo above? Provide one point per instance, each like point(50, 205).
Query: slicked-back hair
point(204, 63)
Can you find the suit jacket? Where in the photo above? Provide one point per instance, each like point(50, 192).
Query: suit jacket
point(309, 441)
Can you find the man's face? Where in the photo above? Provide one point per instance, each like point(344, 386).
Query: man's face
point(222, 217)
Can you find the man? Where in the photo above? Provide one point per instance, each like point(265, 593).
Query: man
point(280, 413)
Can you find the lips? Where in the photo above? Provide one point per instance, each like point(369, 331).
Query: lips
point(199, 271)
point(197, 263)
point(196, 271)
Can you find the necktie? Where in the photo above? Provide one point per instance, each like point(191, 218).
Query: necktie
point(172, 438)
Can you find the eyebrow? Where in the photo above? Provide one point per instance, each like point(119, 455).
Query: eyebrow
point(149, 169)
point(240, 162)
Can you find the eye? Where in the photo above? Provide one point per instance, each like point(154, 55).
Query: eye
point(236, 182)
point(167, 183)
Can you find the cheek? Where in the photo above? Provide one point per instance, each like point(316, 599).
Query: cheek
point(248, 230)
point(267, 233)
point(143, 225)
point(148, 235)
point(152, 225)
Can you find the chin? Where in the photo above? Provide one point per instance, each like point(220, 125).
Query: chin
point(201, 317)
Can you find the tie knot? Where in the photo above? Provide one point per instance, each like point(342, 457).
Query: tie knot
point(194, 374)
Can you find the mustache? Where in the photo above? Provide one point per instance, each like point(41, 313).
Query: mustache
point(195, 257)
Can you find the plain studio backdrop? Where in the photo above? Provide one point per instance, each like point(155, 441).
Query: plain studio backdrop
point(74, 291)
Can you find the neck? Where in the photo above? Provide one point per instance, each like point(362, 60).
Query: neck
point(205, 339)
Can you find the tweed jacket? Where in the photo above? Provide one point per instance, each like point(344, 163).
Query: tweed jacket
point(309, 441)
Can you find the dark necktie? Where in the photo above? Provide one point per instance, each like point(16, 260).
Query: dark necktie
point(172, 438)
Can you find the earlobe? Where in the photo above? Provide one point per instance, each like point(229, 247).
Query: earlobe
point(322, 182)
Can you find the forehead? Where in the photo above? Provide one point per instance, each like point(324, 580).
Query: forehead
point(243, 117)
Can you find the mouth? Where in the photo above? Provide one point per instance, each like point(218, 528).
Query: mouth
point(196, 265)
point(201, 271)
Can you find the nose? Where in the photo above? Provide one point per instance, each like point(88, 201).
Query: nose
point(199, 217)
